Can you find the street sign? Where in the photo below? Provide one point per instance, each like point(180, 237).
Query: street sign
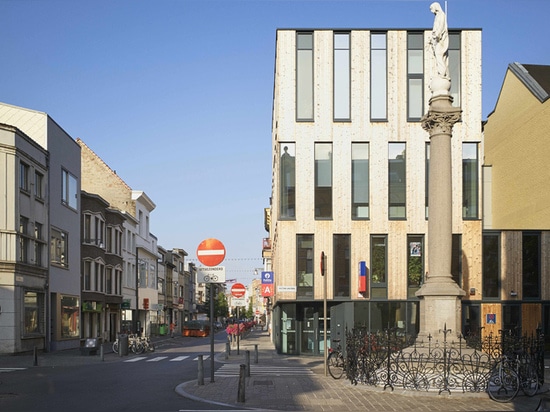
point(238, 290)
point(240, 302)
point(211, 275)
point(211, 252)
point(267, 289)
point(267, 277)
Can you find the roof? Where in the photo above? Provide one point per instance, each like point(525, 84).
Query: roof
point(535, 77)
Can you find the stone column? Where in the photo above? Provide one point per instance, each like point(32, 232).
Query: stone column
point(440, 295)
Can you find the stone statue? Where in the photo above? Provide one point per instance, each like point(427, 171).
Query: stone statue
point(440, 41)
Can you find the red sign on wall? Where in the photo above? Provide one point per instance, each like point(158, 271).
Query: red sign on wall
point(267, 289)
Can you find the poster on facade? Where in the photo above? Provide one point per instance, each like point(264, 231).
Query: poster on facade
point(416, 249)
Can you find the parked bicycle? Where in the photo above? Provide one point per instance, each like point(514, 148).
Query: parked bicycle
point(510, 375)
point(136, 344)
point(336, 362)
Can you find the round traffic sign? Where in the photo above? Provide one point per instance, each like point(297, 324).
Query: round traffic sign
point(211, 252)
point(238, 290)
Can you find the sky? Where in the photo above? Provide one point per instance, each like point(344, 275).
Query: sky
point(176, 95)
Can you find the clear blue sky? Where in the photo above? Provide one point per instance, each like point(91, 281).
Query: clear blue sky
point(176, 95)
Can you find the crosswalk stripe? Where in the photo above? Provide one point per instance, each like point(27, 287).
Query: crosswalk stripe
point(204, 357)
point(136, 359)
point(178, 358)
point(158, 358)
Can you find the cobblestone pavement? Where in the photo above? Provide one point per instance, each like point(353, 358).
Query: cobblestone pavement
point(287, 383)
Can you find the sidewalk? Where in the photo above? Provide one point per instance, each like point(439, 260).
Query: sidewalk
point(292, 383)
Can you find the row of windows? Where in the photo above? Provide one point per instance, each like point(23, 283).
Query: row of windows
point(360, 176)
point(107, 237)
point(377, 271)
point(100, 278)
point(342, 80)
point(69, 185)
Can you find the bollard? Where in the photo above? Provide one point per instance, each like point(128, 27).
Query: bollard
point(227, 350)
point(247, 357)
point(101, 352)
point(240, 391)
point(35, 356)
point(201, 371)
point(256, 353)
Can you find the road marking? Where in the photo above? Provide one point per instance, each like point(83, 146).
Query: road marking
point(178, 358)
point(11, 369)
point(204, 357)
point(136, 359)
point(158, 358)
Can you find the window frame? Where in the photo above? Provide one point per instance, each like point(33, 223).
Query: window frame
point(414, 76)
point(359, 180)
point(341, 102)
point(69, 189)
point(378, 78)
point(305, 77)
point(305, 272)
point(323, 194)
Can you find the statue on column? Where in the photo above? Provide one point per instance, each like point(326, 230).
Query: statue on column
point(439, 42)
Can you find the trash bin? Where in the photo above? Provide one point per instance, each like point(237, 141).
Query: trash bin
point(123, 344)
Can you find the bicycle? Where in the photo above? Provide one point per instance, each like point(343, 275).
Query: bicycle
point(335, 361)
point(511, 375)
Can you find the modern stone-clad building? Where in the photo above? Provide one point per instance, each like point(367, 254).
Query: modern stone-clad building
point(350, 180)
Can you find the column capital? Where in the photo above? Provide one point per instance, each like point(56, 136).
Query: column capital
point(440, 122)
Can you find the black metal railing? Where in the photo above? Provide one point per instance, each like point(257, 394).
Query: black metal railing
point(392, 359)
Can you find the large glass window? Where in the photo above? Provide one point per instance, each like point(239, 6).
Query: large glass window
point(304, 266)
point(39, 185)
point(415, 264)
point(378, 256)
point(341, 265)
point(304, 76)
point(70, 319)
point(70, 190)
point(454, 67)
point(59, 247)
point(287, 183)
point(341, 76)
point(456, 259)
point(34, 313)
point(469, 181)
point(397, 187)
point(491, 265)
point(360, 180)
point(415, 76)
point(323, 180)
point(531, 265)
point(378, 76)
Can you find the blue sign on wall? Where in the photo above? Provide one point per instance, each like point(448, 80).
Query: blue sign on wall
point(491, 318)
point(267, 278)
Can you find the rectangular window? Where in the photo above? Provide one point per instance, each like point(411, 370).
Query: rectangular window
point(397, 187)
point(34, 313)
point(378, 76)
point(415, 76)
point(70, 319)
point(470, 178)
point(38, 185)
point(304, 266)
point(69, 187)
point(118, 282)
point(323, 180)
point(456, 259)
point(142, 268)
point(287, 181)
point(531, 264)
point(59, 248)
point(491, 265)
point(342, 76)
point(23, 239)
point(109, 240)
point(304, 76)
point(360, 180)
point(38, 244)
point(109, 280)
point(23, 177)
point(415, 264)
point(378, 264)
point(455, 67)
point(87, 276)
point(341, 265)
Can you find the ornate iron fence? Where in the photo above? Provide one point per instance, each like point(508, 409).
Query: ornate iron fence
point(392, 359)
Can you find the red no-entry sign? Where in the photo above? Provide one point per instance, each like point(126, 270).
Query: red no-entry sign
point(211, 252)
point(238, 290)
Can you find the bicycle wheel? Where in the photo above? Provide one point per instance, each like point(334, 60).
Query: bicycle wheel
point(335, 363)
point(529, 380)
point(503, 385)
point(115, 346)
